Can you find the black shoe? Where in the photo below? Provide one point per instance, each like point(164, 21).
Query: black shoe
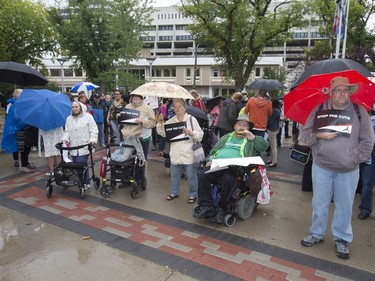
point(287, 137)
point(219, 218)
point(363, 216)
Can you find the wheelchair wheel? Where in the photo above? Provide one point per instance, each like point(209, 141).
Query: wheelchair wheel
point(97, 183)
point(245, 207)
point(229, 220)
point(106, 191)
point(135, 193)
point(49, 190)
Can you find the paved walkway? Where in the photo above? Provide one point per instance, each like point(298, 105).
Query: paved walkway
point(202, 251)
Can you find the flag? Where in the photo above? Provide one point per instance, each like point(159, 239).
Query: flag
point(337, 18)
point(340, 18)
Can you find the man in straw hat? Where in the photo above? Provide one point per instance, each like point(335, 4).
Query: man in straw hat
point(240, 143)
point(335, 170)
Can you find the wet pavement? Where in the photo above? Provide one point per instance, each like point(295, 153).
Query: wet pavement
point(150, 238)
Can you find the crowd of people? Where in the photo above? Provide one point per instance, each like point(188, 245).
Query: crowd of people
point(244, 127)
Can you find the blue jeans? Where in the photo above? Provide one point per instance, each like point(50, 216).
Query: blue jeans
point(83, 159)
point(100, 133)
point(341, 187)
point(191, 172)
point(368, 181)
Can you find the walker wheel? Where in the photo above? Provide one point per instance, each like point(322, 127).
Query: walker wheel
point(49, 190)
point(97, 183)
point(229, 220)
point(106, 191)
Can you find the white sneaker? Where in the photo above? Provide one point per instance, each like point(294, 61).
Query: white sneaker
point(87, 186)
point(33, 148)
point(26, 170)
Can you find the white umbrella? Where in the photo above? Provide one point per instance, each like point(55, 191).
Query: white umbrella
point(162, 90)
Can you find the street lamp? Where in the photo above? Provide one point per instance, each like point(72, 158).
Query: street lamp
point(151, 61)
point(195, 64)
point(62, 61)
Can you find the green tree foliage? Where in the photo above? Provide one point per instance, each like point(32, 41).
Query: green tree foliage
point(360, 38)
point(237, 31)
point(103, 36)
point(25, 32)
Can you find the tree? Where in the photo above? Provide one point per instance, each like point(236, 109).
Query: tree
point(237, 32)
point(360, 39)
point(25, 32)
point(103, 36)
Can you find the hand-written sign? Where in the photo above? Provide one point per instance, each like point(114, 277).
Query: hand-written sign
point(332, 120)
point(173, 132)
point(128, 116)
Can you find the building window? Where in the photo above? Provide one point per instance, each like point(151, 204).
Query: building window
point(68, 72)
point(257, 71)
point(216, 73)
point(180, 27)
point(55, 71)
point(157, 72)
point(184, 37)
point(188, 73)
point(165, 38)
point(197, 73)
point(166, 73)
point(165, 27)
point(78, 72)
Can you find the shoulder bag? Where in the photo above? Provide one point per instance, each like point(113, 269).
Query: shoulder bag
point(300, 153)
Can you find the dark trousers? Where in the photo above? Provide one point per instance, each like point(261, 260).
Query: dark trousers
point(227, 182)
point(25, 156)
point(286, 128)
point(15, 156)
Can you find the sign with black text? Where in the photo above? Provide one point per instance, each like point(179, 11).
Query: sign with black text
point(332, 120)
point(173, 132)
point(128, 116)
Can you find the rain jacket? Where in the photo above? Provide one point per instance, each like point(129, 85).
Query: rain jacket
point(80, 130)
point(259, 110)
point(228, 115)
point(146, 114)
point(11, 126)
point(98, 112)
point(342, 154)
point(181, 152)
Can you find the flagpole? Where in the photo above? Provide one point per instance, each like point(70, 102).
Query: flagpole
point(338, 36)
point(346, 29)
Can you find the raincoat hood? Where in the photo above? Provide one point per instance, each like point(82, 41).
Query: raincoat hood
point(261, 102)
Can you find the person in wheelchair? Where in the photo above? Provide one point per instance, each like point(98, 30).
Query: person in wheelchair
point(240, 143)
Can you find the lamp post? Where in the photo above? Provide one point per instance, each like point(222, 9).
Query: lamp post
point(62, 61)
point(151, 61)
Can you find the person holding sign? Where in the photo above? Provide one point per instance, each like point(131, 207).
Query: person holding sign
point(181, 131)
point(240, 143)
point(336, 158)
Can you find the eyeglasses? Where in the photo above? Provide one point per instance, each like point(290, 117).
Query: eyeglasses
point(344, 91)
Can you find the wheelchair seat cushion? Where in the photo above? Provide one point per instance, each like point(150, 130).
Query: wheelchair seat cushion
point(73, 165)
point(128, 162)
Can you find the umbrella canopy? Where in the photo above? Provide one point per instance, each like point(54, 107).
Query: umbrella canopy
point(162, 90)
point(196, 112)
point(314, 90)
point(43, 109)
point(20, 74)
point(211, 103)
point(333, 65)
point(84, 86)
point(266, 84)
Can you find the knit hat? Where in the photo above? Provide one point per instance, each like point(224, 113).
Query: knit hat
point(339, 80)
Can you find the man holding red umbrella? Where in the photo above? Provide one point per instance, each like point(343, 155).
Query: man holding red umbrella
point(337, 155)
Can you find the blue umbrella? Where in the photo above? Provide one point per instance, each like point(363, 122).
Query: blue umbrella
point(43, 109)
point(84, 86)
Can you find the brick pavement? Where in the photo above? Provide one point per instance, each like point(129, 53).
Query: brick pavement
point(195, 250)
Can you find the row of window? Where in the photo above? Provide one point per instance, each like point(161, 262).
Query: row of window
point(68, 72)
point(167, 38)
point(306, 35)
point(170, 16)
point(164, 27)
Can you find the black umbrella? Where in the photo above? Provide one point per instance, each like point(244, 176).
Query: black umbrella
point(21, 74)
point(196, 112)
point(211, 103)
point(332, 65)
point(266, 84)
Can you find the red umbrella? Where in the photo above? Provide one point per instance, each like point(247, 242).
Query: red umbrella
point(314, 90)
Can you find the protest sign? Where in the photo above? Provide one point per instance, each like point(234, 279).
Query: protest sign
point(173, 132)
point(333, 121)
point(128, 116)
